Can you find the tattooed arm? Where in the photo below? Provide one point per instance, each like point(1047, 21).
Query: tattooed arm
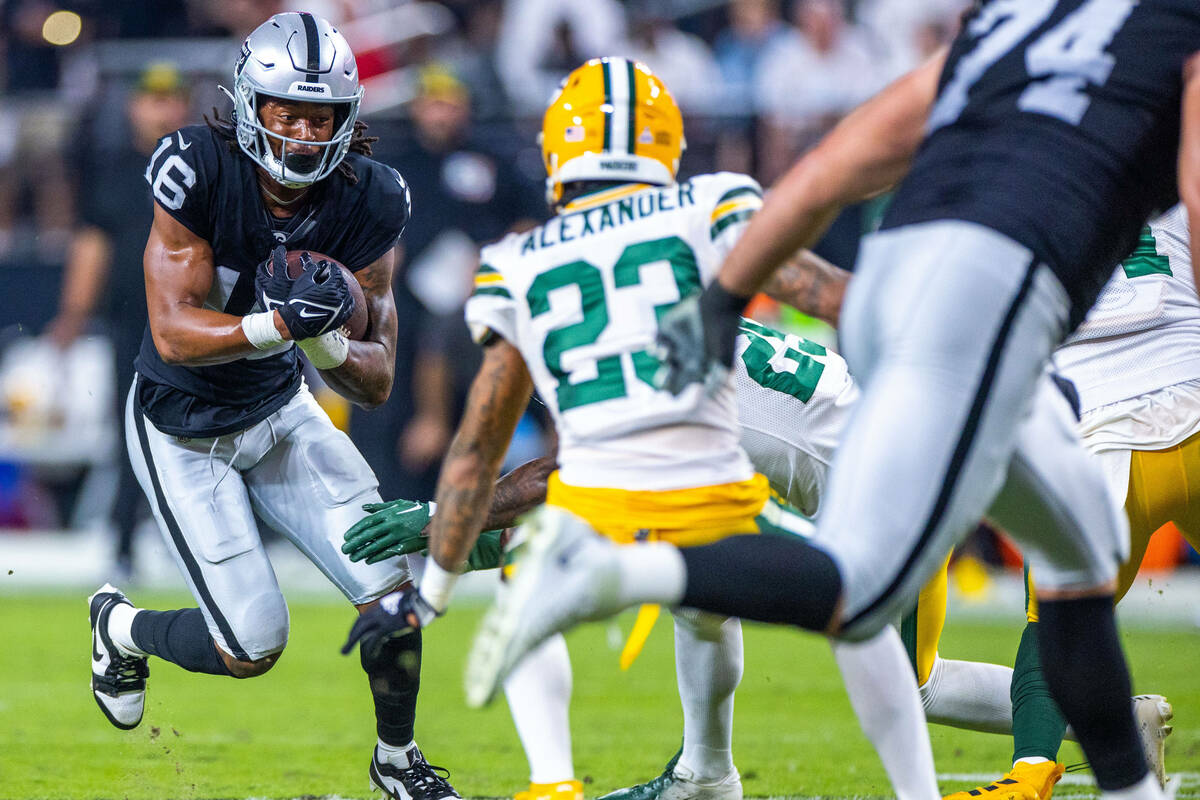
point(497, 399)
point(811, 285)
point(365, 378)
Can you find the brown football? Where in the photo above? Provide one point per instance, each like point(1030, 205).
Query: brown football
point(355, 327)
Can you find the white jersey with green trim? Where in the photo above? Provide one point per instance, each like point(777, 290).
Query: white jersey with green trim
point(580, 297)
point(1143, 333)
point(794, 397)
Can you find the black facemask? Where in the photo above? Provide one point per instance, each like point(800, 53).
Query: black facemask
point(302, 163)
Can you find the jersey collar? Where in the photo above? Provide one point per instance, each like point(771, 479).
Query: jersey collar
point(602, 196)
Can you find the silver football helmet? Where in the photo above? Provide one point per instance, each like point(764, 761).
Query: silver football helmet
point(301, 57)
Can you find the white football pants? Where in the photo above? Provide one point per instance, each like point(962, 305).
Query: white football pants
point(294, 469)
point(947, 327)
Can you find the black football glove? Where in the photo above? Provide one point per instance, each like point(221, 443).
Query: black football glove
point(319, 302)
point(271, 282)
point(397, 614)
point(696, 339)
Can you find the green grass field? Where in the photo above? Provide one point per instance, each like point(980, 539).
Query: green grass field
point(306, 729)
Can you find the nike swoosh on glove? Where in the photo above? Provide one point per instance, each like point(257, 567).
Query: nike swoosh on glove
point(320, 300)
point(271, 282)
point(389, 529)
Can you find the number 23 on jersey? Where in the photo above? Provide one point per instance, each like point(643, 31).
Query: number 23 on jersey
point(633, 283)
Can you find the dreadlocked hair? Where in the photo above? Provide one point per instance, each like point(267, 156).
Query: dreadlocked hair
point(359, 142)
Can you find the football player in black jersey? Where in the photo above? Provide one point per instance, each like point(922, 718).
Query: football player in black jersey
point(221, 425)
point(1035, 150)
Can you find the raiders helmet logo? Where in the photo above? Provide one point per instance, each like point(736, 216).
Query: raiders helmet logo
point(241, 62)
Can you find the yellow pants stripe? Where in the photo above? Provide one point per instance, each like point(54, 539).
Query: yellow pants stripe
point(931, 618)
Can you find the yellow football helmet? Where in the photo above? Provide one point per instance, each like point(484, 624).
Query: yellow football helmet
point(611, 120)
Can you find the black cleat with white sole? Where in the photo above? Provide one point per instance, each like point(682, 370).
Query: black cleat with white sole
point(420, 780)
point(118, 680)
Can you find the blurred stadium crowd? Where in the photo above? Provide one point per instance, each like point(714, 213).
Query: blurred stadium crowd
point(454, 91)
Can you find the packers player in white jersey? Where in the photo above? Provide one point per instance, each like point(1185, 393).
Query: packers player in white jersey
point(793, 398)
point(1135, 363)
point(571, 309)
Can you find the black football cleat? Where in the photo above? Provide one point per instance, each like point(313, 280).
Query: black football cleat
point(418, 781)
point(118, 680)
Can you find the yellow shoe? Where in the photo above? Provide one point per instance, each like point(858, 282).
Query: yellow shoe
point(563, 790)
point(1024, 782)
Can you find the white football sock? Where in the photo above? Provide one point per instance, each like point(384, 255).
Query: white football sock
point(708, 665)
point(651, 573)
point(970, 695)
point(879, 680)
point(1145, 789)
point(393, 754)
point(539, 697)
point(973, 696)
point(120, 629)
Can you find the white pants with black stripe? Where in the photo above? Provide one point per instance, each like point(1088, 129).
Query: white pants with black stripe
point(947, 327)
point(294, 469)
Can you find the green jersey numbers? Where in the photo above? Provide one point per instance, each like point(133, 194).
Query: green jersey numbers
point(582, 380)
point(628, 272)
point(609, 382)
point(781, 362)
point(1145, 260)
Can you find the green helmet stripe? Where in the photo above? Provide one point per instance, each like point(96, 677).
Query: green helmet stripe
point(617, 88)
point(604, 65)
point(632, 106)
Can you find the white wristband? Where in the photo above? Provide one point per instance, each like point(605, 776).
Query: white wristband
point(260, 330)
point(327, 351)
point(437, 585)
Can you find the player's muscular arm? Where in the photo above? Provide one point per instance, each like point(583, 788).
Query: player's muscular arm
point(179, 274)
point(496, 401)
point(1189, 154)
point(865, 154)
point(519, 491)
point(811, 285)
point(365, 378)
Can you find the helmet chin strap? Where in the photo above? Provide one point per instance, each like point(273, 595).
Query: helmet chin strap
point(279, 199)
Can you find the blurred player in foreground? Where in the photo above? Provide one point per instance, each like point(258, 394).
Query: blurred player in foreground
point(221, 425)
point(1030, 175)
point(1134, 364)
point(571, 308)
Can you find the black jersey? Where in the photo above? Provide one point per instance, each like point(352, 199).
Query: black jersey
point(1057, 124)
point(200, 178)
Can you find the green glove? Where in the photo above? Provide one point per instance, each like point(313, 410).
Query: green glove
point(390, 529)
point(486, 554)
